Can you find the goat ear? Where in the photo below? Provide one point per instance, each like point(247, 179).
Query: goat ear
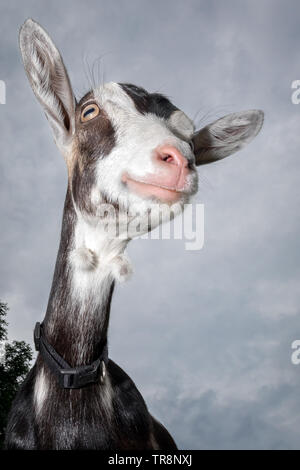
point(226, 135)
point(49, 80)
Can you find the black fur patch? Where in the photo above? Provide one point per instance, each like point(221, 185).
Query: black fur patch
point(145, 102)
point(95, 140)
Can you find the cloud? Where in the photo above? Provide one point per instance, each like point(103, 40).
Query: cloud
point(276, 298)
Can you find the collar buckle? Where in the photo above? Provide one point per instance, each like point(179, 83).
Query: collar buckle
point(78, 377)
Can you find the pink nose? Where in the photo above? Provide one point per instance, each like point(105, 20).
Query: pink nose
point(171, 156)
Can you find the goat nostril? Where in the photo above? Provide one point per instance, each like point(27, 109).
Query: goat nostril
point(168, 158)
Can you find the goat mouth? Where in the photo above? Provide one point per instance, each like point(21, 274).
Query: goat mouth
point(149, 190)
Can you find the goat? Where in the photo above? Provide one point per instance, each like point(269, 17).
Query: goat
point(123, 147)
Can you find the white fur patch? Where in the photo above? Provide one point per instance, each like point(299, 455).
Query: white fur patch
point(121, 268)
point(137, 137)
point(84, 258)
point(95, 260)
point(40, 390)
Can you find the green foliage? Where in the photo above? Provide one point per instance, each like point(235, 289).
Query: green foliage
point(15, 359)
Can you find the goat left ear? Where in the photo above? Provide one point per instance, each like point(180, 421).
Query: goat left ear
point(49, 80)
point(226, 135)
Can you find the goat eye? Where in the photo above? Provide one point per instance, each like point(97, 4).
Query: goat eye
point(191, 144)
point(89, 112)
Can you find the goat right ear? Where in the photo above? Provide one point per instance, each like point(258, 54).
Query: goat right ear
point(49, 80)
point(226, 136)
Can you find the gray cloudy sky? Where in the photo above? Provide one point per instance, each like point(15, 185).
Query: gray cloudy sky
point(205, 335)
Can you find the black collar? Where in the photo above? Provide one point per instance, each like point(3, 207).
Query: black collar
point(67, 376)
